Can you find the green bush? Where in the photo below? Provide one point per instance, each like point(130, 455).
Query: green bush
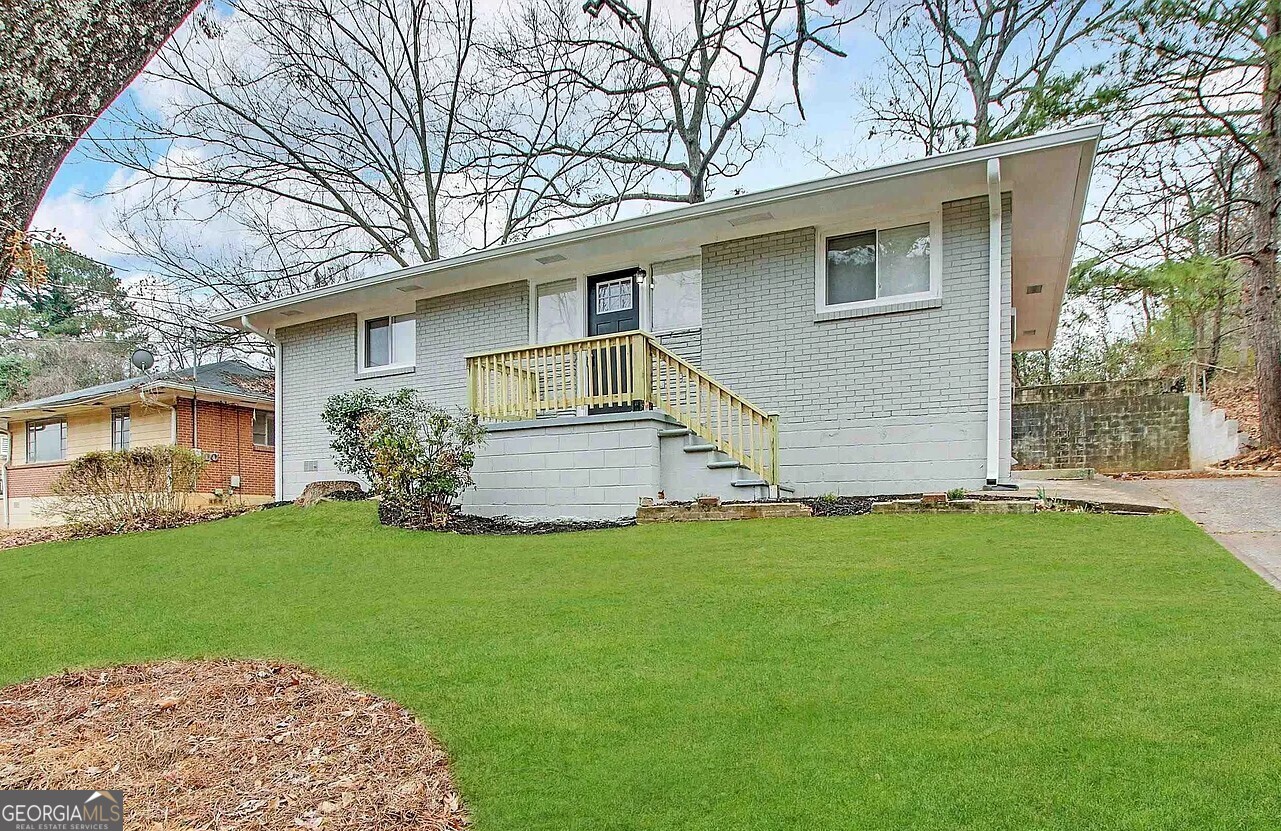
point(126, 488)
point(416, 456)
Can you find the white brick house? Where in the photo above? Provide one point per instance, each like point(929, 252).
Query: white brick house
point(851, 335)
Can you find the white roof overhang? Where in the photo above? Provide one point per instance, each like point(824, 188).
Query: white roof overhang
point(1048, 176)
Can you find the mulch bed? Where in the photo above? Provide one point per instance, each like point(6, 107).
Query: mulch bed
point(837, 506)
point(228, 745)
point(157, 522)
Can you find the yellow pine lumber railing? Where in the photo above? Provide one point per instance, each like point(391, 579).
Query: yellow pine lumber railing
point(624, 370)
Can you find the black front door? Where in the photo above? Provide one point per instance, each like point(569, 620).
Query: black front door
point(613, 307)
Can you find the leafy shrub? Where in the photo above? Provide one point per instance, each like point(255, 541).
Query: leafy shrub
point(956, 494)
point(416, 456)
point(127, 488)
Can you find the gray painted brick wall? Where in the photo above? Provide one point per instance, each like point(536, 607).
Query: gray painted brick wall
point(318, 359)
point(877, 404)
point(883, 403)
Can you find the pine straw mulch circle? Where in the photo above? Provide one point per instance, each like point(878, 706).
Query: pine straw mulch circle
point(228, 745)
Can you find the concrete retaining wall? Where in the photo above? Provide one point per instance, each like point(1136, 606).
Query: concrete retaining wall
point(1139, 424)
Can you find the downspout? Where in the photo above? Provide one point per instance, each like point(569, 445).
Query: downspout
point(4, 472)
point(994, 321)
point(277, 416)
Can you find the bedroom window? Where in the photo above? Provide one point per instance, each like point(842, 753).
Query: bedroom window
point(879, 266)
point(388, 342)
point(557, 311)
point(119, 428)
point(47, 440)
point(264, 428)
point(677, 295)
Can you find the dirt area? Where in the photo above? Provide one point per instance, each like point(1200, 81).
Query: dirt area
point(228, 745)
point(1239, 398)
point(57, 533)
point(1264, 458)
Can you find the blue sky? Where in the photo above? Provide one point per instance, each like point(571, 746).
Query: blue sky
point(76, 206)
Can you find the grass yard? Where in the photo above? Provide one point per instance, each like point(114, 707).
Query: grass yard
point(1054, 671)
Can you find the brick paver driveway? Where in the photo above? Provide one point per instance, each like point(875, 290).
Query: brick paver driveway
point(1243, 514)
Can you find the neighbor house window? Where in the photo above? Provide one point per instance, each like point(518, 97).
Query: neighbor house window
point(879, 265)
point(47, 440)
point(556, 311)
point(677, 295)
point(264, 428)
point(119, 428)
point(389, 341)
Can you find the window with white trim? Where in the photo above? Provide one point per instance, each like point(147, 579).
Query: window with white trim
point(388, 342)
point(264, 423)
point(677, 295)
point(879, 266)
point(119, 428)
point(556, 311)
point(47, 440)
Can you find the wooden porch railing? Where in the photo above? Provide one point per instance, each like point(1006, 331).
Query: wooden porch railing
point(627, 370)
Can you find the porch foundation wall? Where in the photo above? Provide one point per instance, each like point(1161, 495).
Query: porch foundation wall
point(590, 468)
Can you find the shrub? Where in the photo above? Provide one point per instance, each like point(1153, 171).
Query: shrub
point(416, 456)
point(956, 494)
point(127, 488)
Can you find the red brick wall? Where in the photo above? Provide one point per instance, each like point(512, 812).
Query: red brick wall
point(227, 430)
point(35, 479)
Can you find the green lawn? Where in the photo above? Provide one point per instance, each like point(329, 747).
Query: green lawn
point(1051, 671)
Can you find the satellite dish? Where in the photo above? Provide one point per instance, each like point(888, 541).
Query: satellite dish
point(142, 359)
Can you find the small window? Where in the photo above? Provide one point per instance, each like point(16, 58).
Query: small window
point(389, 341)
point(878, 265)
point(264, 428)
point(47, 440)
point(119, 428)
point(677, 295)
point(614, 296)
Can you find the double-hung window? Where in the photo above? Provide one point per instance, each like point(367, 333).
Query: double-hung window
point(387, 342)
point(264, 428)
point(879, 267)
point(119, 428)
point(47, 440)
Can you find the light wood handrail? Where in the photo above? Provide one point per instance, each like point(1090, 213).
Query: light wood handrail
point(623, 370)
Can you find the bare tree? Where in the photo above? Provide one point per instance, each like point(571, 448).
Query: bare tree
point(966, 72)
point(61, 63)
point(1209, 71)
point(693, 91)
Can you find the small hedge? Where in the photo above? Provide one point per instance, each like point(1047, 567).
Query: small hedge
point(127, 488)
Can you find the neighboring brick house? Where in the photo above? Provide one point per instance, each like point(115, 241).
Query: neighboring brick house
point(852, 335)
point(232, 403)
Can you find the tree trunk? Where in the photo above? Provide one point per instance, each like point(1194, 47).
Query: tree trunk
point(1264, 334)
point(62, 62)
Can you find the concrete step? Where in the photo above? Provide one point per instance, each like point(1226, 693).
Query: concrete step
point(699, 448)
point(750, 483)
point(674, 432)
point(724, 463)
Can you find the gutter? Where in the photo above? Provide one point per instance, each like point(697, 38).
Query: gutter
point(237, 317)
point(278, 419)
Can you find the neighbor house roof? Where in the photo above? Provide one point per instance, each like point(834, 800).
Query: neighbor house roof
point(1048, 175)
point(223, 380)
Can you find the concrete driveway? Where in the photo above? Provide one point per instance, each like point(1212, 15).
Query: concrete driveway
point(1243, 514)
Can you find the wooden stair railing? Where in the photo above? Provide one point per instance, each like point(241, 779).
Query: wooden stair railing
point(623, 370)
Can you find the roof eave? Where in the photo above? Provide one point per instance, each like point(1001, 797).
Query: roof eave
point(238, 318)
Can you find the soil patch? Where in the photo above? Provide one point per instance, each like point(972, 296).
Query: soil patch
point(82, 531)
point(228, 745)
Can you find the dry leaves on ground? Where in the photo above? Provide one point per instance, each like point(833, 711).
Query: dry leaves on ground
point(228, 745)
point(1239, 397)
point(58, 533)
point(1265, 458)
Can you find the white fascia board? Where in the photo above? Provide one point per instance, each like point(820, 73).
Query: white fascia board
point(237, 318)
